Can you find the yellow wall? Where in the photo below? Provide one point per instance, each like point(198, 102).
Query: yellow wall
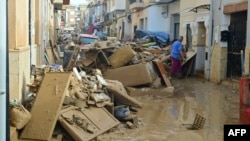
point(51, 24)
point(37, 22)
point(218, 63)
point(192, 18)
point(19, 73)
point(136, 19)
point(19, 50)
point(18, 24)
point(192, 3)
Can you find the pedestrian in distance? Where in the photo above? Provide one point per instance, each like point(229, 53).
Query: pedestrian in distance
point(177, 57)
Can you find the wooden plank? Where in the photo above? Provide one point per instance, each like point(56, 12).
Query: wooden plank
point(56, 56)
point(105, 57)
point(95, 122)
point(50, 55)
point(46, 58)
point(120, 94)
point(190, 54)
point(47, 105)
point(73, 58)
point(163, 73)
point(190, 67)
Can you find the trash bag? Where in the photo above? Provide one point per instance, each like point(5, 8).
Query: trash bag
point(121, 111)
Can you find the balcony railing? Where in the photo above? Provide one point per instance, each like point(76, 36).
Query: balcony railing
point(136, 4)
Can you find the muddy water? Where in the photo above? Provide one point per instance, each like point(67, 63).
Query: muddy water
point(165, 117)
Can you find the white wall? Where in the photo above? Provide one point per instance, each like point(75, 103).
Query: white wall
point(156, 22)
point(3, 41)
point(119, 5)
point(221, 21)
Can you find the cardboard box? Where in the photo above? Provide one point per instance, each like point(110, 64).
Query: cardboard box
point(132, 75)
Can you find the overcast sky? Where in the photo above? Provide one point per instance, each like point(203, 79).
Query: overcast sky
point(77, 2)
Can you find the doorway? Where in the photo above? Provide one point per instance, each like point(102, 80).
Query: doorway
point(236, 44)
point(200, 49)
point(188, 37)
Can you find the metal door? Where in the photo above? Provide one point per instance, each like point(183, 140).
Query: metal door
point(236, 43)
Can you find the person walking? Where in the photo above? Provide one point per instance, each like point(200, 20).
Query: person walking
point(177, 57)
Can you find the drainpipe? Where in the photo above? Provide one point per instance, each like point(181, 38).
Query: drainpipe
point(210, 38)
point(4, 118)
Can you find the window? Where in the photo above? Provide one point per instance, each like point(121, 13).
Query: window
point(142, 23)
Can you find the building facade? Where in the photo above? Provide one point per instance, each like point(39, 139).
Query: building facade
point(219, 31)
point(230, 55)
point(149, 13)
point(31, 26)
point(71, 14)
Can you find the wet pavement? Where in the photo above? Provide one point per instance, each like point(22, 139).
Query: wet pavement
point(165, 117)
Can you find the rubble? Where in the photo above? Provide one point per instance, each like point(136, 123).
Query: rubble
point(132, 75)
point(88, 94)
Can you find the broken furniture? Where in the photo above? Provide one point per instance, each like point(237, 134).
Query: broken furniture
point(87, 123)
point(47, 105)
point(132, 75)
point(89, 56)
point(121, 56)
point(120, 94)
point(188, 65)
point(163, 73)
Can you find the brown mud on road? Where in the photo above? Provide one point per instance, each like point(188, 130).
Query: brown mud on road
point(164, 116)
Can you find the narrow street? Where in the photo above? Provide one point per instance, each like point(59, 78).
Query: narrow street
point(124, 70)
point(164, 116)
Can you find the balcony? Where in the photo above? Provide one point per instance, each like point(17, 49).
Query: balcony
point(60, 4)
point(136, 4)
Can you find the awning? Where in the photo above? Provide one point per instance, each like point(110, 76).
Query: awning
point(205, 6)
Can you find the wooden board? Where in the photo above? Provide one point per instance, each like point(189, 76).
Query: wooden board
point(163, 73)
point(46, 107)
point(98, 120)
point(120, 94)
point(51, 55)
point(190, 54)
point(73, 59)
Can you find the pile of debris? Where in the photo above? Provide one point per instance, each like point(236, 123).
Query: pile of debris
point(85, 104)
point(129, 63)
point(86, 94)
